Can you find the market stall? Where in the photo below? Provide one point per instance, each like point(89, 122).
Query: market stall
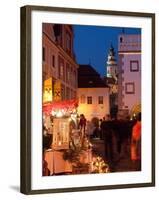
point(69, 151)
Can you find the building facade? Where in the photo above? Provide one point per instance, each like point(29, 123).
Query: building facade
point(93, 93)
point(59, 60)
point(129, 76)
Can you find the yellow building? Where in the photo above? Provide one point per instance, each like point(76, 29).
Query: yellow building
point(93, 93)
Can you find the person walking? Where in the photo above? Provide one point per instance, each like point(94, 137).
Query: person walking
point(82, 125)
point(136, 144)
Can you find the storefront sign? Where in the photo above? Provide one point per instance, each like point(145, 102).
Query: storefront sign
point(47, 95)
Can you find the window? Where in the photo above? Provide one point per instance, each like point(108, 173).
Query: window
point(89, 100)
point(83, 98)
point(130, 88)
point(71, 76)
point(67, 73)
point(67, 93)
point(57, 29)
point(43, 54)
point(68, 42)
point(60, 68)
point(134, 65)
point(63, 92)
point(53, 61)
point(121, 39)
point(74, 78)
point(100, 100)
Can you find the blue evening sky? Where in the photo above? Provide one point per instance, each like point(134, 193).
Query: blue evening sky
point(92, 43)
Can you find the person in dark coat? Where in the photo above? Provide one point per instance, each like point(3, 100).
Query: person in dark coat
point(82, 125)
point(107, 136)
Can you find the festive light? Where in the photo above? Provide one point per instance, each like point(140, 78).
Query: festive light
point(59, 114)
point(53, 113)
point(99, 166)
point(70, 119)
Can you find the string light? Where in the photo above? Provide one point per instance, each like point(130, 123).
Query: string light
point(99, 166)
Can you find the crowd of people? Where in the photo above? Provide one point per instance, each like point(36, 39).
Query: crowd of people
point(121, 137)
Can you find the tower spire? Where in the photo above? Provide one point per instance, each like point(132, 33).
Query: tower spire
point(111, 64)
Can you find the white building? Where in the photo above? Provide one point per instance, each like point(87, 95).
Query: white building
point(129, 77)
point(93, 93)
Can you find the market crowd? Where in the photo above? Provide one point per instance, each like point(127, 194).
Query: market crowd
point(122, 138)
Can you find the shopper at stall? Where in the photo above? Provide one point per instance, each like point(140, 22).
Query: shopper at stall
point(82, 124)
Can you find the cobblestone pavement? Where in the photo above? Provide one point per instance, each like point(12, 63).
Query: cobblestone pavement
point(120, 162)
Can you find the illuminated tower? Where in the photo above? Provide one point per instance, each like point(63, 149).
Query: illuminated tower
point(112, 81)
point(111, 64)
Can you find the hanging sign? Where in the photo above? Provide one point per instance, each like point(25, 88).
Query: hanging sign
point(47, 94)
point(57, 90)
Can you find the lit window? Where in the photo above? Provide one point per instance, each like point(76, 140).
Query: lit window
point(83, 98)
point(100, 100)
point(61, 70)
point(89, 100)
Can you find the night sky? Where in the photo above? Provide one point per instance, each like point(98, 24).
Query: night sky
point(92, 43)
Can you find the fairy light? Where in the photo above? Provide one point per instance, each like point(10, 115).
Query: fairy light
point(99, 166)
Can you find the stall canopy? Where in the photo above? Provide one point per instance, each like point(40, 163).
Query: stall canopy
point(66, 106)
